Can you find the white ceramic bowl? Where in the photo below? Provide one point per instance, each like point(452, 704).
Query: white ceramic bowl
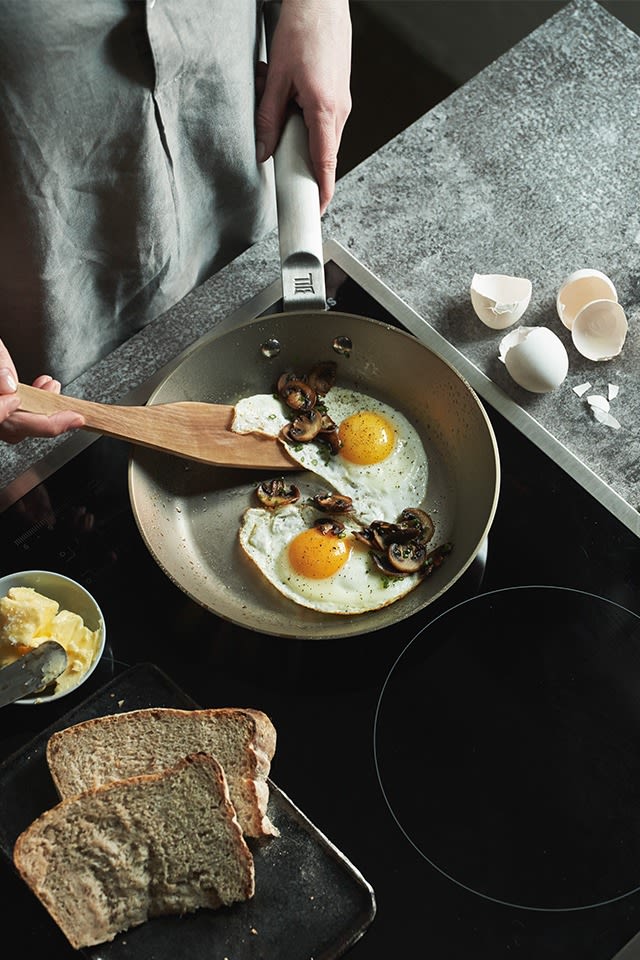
point(71, 596)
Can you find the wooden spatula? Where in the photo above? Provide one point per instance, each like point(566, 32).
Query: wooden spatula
point(197, 431)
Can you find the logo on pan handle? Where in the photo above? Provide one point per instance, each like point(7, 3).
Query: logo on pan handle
point(303, 284)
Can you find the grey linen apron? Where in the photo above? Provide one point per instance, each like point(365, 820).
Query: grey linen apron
point(127, 167)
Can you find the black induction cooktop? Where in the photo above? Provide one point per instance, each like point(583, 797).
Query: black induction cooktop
point(478, 762)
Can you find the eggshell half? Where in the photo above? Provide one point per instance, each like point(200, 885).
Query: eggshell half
point(499, 300)
point(535, 358)
point(599, 330)
point(580, 288)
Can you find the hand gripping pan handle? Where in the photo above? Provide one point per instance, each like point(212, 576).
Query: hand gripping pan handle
point(298, 206)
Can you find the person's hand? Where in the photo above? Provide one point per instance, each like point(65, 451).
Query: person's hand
point(309, 63)
point(16, 425)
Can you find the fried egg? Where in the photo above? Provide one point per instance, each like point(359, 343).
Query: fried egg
point(324, 571)
point(381, 464)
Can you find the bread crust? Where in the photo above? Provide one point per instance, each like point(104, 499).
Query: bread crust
point(126, 744)
point(160, 843)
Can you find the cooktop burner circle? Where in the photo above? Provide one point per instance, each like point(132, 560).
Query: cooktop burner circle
point(507, 747)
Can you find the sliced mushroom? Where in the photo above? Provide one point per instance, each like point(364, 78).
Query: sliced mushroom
point(418, 523)
point(330, 526)
point(389, 533)
point(303, 428)
point(332, 502)
point(407, 557)
point(276, 493)
point(322, 376)
point(329, 433)
point(297, 394)
point(364, 536)
point(383, 533)
point(383, 564)
point(285, 378)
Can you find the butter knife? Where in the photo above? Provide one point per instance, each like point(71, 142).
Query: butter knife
point(32, 672)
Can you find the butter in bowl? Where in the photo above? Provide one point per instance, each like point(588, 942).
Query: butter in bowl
point(40, 605)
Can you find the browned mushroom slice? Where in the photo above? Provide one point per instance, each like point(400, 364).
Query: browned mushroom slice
point(285, 378)
point(298, 395)
point(364, 536)
point(330, 526)
point(418, 522)
point(332, 502)
point(382, 563)
point(383, 533)
point(276, 493)
point(332, 440)
point(329, 433)
point(407, 557)
point(303, 428)
point(322, 376)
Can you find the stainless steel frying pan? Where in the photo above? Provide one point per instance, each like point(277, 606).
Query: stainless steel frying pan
point(189, 514)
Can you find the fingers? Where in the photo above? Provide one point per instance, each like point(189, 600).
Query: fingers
point(15, 425)
point(9, 403)
point(272, 108)
point(8, 381)
point(18, 425)
point(310, 64)
point(9, 400)
point(45, 382)
point(323, 151)
point(6, 363)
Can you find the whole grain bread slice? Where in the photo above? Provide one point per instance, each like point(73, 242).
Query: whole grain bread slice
point(127, 744)
point(109, 859)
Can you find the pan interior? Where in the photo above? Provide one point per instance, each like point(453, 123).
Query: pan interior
point(189, 513)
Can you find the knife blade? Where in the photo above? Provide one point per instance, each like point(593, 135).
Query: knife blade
point(32, 672)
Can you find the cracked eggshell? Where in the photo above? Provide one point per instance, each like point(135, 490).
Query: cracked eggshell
point(599, 330)
point(580, 288)
point(535, 358)
point(499, 300)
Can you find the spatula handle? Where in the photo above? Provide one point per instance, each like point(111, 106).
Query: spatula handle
point(126, 423)
point(33, 400)
point(159, 425)
point(188, 428)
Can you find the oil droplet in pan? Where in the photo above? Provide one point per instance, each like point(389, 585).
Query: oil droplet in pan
point(270, 348)
point(342, 345)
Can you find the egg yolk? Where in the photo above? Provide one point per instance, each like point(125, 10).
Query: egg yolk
point(366, 437)
point(318, 555)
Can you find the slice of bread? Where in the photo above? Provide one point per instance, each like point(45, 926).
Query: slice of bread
point(122, 745)
point(163, 843)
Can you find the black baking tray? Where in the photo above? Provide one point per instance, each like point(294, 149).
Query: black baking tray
point(310, 901)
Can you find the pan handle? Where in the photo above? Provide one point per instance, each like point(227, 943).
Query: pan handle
point(298, 207)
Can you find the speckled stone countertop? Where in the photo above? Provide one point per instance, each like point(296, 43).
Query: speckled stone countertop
point(530, 169)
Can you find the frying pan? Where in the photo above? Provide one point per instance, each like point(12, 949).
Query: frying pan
point(189, 514)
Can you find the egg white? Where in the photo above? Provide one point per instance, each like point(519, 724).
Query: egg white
point(379, 491)
point(355, 588)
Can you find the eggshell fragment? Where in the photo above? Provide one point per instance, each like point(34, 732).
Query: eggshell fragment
point(535, 358)
point(582, 388)
point(580, 288)
point(603, 416)
point(599, 330)
point(599, 402)
point(499, 300)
